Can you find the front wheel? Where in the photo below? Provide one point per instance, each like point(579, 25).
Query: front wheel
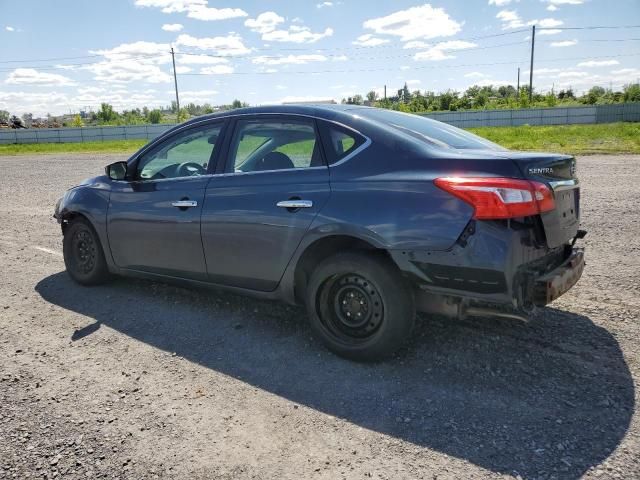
point(360, 305)
point(83, 254)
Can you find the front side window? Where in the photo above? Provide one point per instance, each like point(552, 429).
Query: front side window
point(266, 145)
point(185, 154)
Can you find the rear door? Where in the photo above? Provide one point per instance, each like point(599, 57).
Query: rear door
point(258, 209)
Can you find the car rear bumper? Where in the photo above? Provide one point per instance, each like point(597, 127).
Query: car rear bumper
point(551, 285)
point(496, 266)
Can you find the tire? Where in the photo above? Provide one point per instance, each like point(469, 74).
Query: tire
point(360, 306)
point(83, 254)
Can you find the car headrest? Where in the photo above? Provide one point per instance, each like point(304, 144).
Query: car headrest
point(274, 161)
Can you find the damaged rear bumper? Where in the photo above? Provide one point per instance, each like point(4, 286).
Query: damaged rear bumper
point(497, 271)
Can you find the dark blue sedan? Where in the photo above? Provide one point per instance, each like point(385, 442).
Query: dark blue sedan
point(363, 215)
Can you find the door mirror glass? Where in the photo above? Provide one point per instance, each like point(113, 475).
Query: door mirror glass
point(116, 171)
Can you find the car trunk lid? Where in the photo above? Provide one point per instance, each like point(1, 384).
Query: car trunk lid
point(559, 173)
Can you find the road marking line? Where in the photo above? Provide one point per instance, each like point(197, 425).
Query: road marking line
point(47, 250)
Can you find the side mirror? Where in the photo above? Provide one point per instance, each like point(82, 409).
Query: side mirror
point(116, 171)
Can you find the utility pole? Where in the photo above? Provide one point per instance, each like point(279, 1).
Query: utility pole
point(518, 81)
point(533, 44)
point(385, 93)
point(175, 81)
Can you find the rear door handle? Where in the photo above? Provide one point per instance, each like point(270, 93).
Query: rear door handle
point(184, 203)
point(295, 204)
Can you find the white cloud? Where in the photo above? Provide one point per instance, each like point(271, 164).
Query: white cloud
point(289, 59)
point(172, 27)
point(564, 2)
point(217, 70)
point(264, 23)
point(598, 63)
point(29, 76)
point(210, 14)
point(553, 31)
point(182, 69)
point(572, 74)
point(546, 23)
point(405, 67)
point(9, 29)
point(368, 40)
point(267, 24)
point(192, 59)
point(627, 71)
point(132, 62)
point(195, 96)
point(552, 8)
point(475, 75)
point(511, 19)
point(564, 43)
point(499, 3)
point(126, 71)
point(416, 44)
point(230, 45)
point(327, 4)
point(416, 22)
point(413, 82)
point(441, 50)
point(198, 9)
point(296, 34)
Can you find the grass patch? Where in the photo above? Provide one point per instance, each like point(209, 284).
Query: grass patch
point(110, 146)
point(571, 139)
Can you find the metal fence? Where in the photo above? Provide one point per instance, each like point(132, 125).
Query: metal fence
point(623, 112)
point(83, 134)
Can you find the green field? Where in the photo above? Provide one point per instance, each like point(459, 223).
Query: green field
point(572, 139)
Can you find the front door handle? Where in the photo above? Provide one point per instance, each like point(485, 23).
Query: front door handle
point(295, 204)
point(184, 203)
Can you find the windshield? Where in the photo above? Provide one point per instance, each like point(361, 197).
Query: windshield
point(433, 132)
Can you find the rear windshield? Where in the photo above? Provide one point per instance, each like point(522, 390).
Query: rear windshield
point(431, 131)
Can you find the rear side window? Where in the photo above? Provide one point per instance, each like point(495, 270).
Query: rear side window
point(339, 142)
point(272, 144)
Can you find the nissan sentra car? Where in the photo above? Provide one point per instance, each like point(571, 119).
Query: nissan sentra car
point(362, 215)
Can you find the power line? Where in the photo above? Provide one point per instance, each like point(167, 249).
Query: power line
point(419, 67)
point(275, 57)
point(596, 27)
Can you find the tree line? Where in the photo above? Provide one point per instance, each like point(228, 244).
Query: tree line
point(491, 97)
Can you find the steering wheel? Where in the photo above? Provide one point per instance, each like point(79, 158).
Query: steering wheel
point(190, 169)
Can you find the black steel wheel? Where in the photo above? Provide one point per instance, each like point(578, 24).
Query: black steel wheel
point(360, 306)
point(83, 255)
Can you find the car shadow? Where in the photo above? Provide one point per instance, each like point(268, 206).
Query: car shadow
point(553, 397)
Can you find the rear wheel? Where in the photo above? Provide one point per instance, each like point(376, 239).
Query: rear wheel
point(360, 306)
point(83, 254)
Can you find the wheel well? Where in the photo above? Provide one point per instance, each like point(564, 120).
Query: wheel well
point(321, 249)
point(69, 217)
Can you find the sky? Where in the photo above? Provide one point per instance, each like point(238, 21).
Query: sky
point(65, 55)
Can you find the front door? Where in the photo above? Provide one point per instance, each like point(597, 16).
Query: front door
point(153, 221)
point(256, 213)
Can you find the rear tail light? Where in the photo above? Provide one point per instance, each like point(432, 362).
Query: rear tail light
point(499, 198)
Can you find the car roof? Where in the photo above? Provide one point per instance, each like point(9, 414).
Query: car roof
point(327, 111)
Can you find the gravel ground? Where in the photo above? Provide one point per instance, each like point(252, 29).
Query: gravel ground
point(141, 380)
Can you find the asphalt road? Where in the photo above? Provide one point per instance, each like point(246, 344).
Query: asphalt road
point(141, 380)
